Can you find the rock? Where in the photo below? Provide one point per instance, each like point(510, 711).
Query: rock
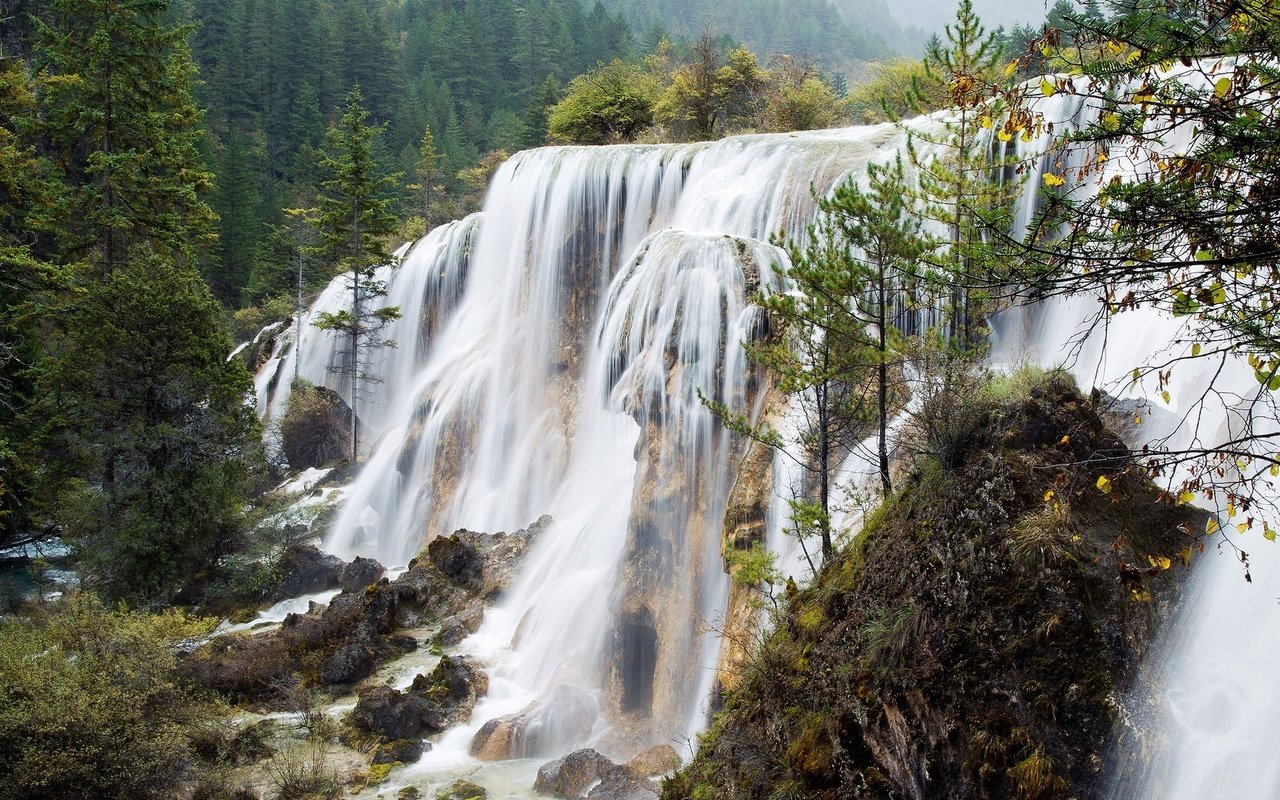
point(456, 557)
point(463, 790)
point(359, 574)
point(619, 785)
point(401, 751)
point(350, 661)
point(316, 429)
point(390, 713)
point(450, 691)
point(409, 793)
point(569, 776)
point(431, 704)
point(544, 727)
point(307, 570)
point(657, 760)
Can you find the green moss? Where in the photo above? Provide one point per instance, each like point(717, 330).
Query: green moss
point(378, 772)
point(463, 790)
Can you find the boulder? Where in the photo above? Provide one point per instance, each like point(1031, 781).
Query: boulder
point(360, 573)
point(569, 776)
point(390, 713)
point(657, 760)
point(431, 704)
point(450, 691)
point(307, 570)
point(400, 751)
point(619, 785)
point(544, 727)
point(463, 790)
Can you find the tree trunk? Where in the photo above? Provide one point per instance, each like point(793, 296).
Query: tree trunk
point(882, 369)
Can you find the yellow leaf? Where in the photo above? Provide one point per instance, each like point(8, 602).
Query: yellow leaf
point(985, 122)
point(1104, 483)
point(1165, 397)
point(1186, 497)
point(1242, 527)
point(1185, 555)
point(1048, 495)
point(1275, 470)
point(1269, 535)
point(1102, 158)
point(1195, 349)
point(1065, 440)
point(1004, 136)
point(1011, 68)
point(1161, 562)
point(1221, 87)
point(1231, 509)
point(1052, 180)
point(1137, 420)
point(1212, 525)
point(1046, 88)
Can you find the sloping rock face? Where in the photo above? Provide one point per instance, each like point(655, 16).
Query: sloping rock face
point(340, 644)
point(976, 640)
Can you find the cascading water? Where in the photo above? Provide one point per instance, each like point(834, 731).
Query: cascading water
point(560, 340)
point(605, 288)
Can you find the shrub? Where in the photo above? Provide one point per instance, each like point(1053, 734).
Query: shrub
point(90, 704)
point(246, 322)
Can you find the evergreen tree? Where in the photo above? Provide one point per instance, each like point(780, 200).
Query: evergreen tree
point(427, 172)
point(955, 184)
point(888, 242)
point(123, 131)
point(353, 223)
point(148, 437)
point(27, 195)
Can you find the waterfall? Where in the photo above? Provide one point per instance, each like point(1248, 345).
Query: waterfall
point(551, 353)
point(562, 338)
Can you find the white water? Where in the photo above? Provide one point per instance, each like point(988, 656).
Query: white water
point(556, 372)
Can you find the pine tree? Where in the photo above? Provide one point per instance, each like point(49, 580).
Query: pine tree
point(27, 195)
point(889, 244)
point(353, 223)
point(148, 438)
point(955, 186)
point(426, 169)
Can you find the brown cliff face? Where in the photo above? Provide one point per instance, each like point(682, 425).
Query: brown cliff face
point(976, 640)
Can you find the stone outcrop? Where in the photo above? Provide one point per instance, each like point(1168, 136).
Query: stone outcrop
point(545, 726)
point(307, 570)
point(431, 704)
point(570, 776)
point(977, 639)
point(342, 643)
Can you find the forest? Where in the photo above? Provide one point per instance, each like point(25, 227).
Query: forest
point(182, 177)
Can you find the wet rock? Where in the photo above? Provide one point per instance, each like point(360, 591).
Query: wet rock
point(450, 691)
point(390, 713)
point(568, 777)
point(543, 727)
point(307, 570)
point(619, 785)
point(657, 760)
point(457, 558)
point(463, 790)
point(409, 793)
point(359, 574)
point(431, 704)
point(400, 751)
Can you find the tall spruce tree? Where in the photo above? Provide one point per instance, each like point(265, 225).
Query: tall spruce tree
point(354, 223)
point(149, 438)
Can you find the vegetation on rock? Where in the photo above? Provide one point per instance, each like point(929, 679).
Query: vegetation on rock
point(974, 640)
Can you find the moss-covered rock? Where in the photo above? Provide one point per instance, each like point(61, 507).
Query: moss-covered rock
point(975, 640)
